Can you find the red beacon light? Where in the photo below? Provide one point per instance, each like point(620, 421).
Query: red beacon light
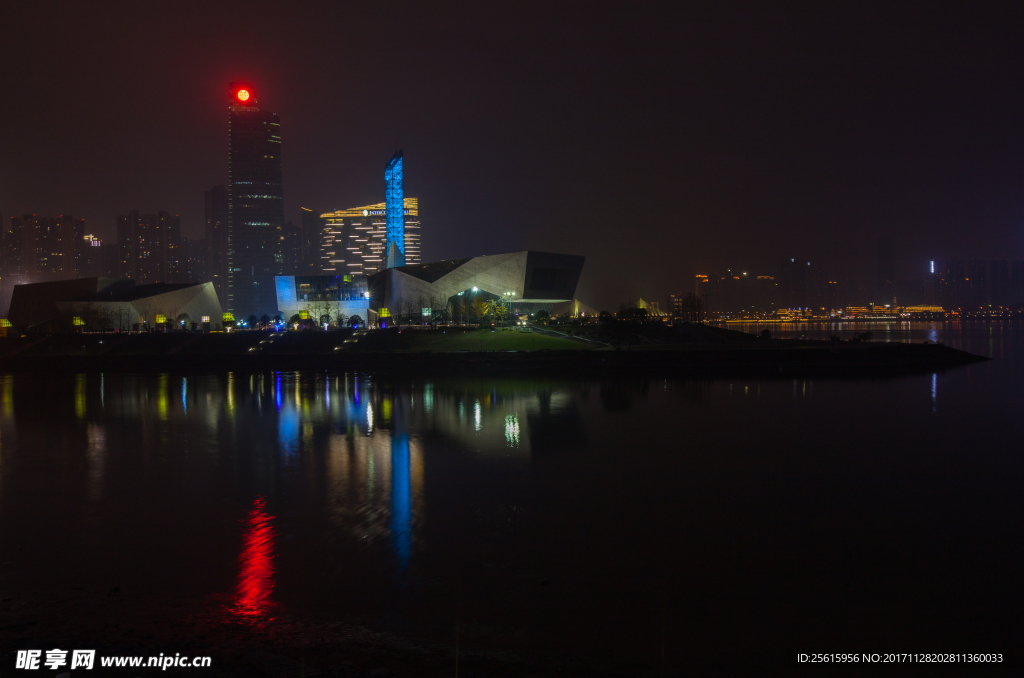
point(243, 95)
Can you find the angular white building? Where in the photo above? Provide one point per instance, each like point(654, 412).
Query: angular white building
point(529, 281)
point(98, 304)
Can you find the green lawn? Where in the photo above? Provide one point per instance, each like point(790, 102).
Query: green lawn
point(463, 340)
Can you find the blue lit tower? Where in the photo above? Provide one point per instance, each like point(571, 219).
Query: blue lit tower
point(394, 245)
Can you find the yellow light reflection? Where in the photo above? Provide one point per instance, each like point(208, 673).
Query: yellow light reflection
point(8, 394)
point(161, 397)
point(80, 396)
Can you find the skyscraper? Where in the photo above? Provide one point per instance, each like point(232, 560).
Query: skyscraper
point(192, 261)
point(217, 241)
point(953, 285)
point(291, 250)
point(354, 240)
point(976, 283)
point(394, 194)
point(255, 204)
point(149, 247)
point(800, 285)
point(312, 229)
point(44, 249)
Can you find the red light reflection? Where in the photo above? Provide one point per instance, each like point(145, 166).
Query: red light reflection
point(256, 578)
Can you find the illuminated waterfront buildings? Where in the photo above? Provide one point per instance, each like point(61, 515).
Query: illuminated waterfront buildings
point(527, 281)
point(255, 204)
point(325, 298)
point(732, 292)
point(105, 304)
point(354, 240)
point(216, 200)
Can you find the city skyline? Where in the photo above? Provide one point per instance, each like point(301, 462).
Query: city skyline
point(728, 137)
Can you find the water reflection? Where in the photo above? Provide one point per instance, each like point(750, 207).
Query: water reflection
point(401, 500)
point(531, 481)
point(512, 430)
point(288, 430)
point(97, 457)
point(621, 395)
point(256, 574)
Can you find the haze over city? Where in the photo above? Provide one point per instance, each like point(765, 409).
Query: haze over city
point(542, 339)
point(659, 142)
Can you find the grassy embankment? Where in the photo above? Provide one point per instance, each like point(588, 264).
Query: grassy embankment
point(309, 343)
point(683, 351)
point(459, 339)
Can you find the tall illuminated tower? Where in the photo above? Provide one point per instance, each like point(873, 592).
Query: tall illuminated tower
point(255, 205)
point(394, 198)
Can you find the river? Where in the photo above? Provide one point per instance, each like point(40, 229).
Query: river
point(634, 527)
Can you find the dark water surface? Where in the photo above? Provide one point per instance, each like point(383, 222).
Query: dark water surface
point(644, 526)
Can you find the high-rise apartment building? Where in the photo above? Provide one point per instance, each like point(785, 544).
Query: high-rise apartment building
point(40, 249)
point(291, 249)
point(193, 261)
point(149, 247)
point(92, 263)
point(217, 241)
point(255, 204)
point(953, 285)
point(766, 292)
point(976, 283)
point(736, 292)
point(794, 283)
point(685, 307)
point(355, 240)
point(44, 249)
point(312, 231)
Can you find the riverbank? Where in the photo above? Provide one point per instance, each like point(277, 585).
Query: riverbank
point(422, 353)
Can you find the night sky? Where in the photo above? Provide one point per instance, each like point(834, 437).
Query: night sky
point(658, 141)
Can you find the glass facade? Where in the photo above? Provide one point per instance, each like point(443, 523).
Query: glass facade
point(354, 239)
point(255, 205)
point(330, 287)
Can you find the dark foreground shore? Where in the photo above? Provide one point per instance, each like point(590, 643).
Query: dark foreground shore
point(254, 352)
point(124, 623)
